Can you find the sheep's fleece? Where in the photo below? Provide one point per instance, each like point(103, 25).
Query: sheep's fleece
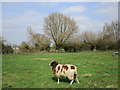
point(64, 70)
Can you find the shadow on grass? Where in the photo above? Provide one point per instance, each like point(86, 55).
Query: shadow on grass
point(62, 79)
point(6, 86)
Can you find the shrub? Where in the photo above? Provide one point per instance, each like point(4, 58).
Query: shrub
point(61, 50)
point(7, 49)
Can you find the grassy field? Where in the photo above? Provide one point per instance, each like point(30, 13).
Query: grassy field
point(95, 70)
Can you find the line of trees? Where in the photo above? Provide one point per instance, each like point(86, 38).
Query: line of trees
point(61, 32)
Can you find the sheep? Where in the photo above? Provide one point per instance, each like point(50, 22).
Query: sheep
point(64, 70)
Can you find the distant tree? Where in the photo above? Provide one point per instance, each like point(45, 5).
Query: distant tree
point(24, 45)
point(118, 36)
point(59, 28)
point(73, 44)
point(90, 39)
point(111, 34)
point(111, 31)
point(5, 48)
point(39, 41)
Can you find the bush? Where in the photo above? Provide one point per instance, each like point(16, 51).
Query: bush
point(85, 47)
point(61, 50)
point(7, 49)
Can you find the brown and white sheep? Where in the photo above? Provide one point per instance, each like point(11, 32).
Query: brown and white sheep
point(64, 70)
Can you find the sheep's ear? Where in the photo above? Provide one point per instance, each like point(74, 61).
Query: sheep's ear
point(55, 63)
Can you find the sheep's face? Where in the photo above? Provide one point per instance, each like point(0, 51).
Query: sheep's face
point(53, 63)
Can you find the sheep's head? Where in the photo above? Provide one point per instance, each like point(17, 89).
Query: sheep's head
point(53, 63)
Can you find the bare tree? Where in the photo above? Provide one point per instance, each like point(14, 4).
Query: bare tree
point(59, 28)
point(38, 40)
point(110, 32)
point(90, 39)
point(110, 36)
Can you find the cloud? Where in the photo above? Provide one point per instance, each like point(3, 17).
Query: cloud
point(107, 10)
point(86, 23)
point(59, 0)
point(30, 18)
point(15, 29)
point(73, 9)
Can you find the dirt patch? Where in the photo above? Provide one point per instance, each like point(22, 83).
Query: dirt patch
point(42, 59)
point(86, 75)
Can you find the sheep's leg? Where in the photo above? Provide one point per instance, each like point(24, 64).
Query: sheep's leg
point(71, 78)
point(71, 82)
point(58, 80)
point(77, 80)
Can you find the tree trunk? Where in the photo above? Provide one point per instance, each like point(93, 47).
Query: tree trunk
point(58, 47)
point(94, 49)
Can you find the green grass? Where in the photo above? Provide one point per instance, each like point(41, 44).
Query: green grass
point(27, 71)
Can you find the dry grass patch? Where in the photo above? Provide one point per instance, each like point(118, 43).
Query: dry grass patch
point(42, 59)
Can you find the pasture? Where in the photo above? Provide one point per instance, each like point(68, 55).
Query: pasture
point(95, 70)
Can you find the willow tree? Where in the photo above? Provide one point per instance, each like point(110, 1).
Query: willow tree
point(59, 28)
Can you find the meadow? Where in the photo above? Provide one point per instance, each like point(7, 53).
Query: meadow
point(95, 70)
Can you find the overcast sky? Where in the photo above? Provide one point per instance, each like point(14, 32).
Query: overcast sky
point(17, 16)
